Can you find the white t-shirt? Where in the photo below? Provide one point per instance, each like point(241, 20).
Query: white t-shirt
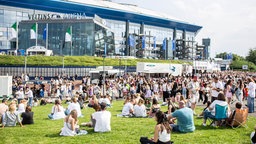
point(140, 111)
point(251, 89)
point(102, 121)
point(20, 94)
point(106, 100)
point(219, 102)
point(75, 106)
point(29, 93)
point(216, 85)
point(126, 109)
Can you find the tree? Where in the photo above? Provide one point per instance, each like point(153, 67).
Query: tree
point(237, 57)
point(252, 55)
point(221, 55)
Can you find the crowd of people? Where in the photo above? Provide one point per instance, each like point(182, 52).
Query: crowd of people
point(142, 97)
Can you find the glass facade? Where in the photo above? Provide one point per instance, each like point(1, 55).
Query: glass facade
point(88, 38)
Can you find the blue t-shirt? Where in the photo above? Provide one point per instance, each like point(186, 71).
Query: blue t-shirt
point(185, 119)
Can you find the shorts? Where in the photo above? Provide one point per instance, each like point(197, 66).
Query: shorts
point(194, 99)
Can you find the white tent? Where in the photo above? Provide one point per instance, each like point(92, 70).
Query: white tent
point(39, 50)
point(150, 68)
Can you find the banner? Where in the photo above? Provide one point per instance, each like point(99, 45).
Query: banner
point(68, 35)
point(33, 31)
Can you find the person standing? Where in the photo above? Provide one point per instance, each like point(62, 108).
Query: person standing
point(194, 88)
point(216, 87)
point(29, 94)
point(20, 95)
point(251, 97)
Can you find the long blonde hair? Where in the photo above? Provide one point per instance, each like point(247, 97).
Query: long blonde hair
point(12, 108)
point(73, 114)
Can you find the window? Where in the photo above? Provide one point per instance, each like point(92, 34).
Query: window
point(19, 14)
point(1, 12)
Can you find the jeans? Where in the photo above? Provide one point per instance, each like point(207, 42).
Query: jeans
point(50, 116)
point(208, 114)
point(30, 100)
point(175, 128)
point(250, 104)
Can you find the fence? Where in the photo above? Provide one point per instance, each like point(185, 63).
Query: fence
point(51, 71)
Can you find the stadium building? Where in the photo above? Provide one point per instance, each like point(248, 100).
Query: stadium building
point(95, 27)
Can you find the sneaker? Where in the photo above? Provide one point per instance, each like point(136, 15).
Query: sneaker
point(213, 125)
point(203, 124)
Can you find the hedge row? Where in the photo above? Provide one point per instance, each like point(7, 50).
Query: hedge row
point(74, 61)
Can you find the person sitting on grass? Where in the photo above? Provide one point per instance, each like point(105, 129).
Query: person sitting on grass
point(74, 105)
point(154, 108)
point(208, 103)
point(184, 115)
point(93, 101)
point(22, 105)
point(162, 134)
point(70, 124)
point(57, 111)
point(253, 136)
point(81, 102)
point(97, 108)
point(3, 109)
point(11, 117)
point(101, 119)
point(211, 112)
point(171, 106)
point(147, 104)
point(140, 109)
point(27, 116)
point(128, 107)
point(232, 115)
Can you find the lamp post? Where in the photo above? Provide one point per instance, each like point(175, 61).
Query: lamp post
point(104, 76)
point(25, 68)
point(63, 64)
point(119, 66)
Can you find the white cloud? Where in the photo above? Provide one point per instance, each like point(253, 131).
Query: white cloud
point(231, 24)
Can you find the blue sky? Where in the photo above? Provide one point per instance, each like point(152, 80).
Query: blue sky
point(231, 24)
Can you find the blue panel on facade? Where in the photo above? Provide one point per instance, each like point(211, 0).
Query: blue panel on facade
point(70, 7)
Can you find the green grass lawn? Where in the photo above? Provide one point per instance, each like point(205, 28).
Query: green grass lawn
point(124, 130)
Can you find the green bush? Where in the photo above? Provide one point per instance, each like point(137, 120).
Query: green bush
point(73, 61)
point(237, 65)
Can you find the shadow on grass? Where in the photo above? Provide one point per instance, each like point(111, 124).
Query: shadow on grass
point(208, 127)
point(53, 135)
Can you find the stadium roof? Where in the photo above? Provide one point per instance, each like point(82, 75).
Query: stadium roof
point(106, 10)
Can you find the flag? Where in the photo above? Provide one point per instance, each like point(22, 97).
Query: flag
point(33, 31)
point(68, 35)
point(173, 45)
point(143, 45)
point(231, 56)
point(44, 33)
point(154, 39)
point(131, 41)
point(105, 49)
point(164, 44)
point(14, 30)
